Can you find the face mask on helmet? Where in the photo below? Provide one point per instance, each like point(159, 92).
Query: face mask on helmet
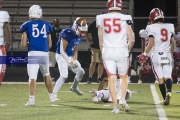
point(114, 4)
point(80, 26)
point(35, 11)
point(155, 14)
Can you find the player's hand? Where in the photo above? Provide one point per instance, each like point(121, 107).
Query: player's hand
point(142, 58)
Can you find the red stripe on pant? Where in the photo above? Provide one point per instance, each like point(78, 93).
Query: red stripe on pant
point(3, 68)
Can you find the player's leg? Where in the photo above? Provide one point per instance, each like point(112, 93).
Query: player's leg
point(52, 62)
point(32, 70)
point(123, 66)
point(44, 68)
point(93, 64)
point(100, 66)
point(2, 64)
point(103, 95)
point(157, 70)
point(63, 70)
point(79, 71)
point(110, 67)
point(167, 70)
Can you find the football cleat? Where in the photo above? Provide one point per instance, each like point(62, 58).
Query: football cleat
point(178, 82)
point(94, 96)
point(139, 81)
point(30, 103)
point(53, 98)
point(167, 99)
point(76, 90)
point(161, 102)
point(124, 105)
point(115, 110)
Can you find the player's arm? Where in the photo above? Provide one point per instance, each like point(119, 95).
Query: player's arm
point(24, 43)
point(63, 47)
point(90, 42)
point(131, 38)
point(75, 56)
point(143, 44)
point(49, 41)
point(100, 36)
point(103, 83)
point(172, 44)
point(150, 44)
point(7, 35)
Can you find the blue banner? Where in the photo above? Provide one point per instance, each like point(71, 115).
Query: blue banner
point(24, 59)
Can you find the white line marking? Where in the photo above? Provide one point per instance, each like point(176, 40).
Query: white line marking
point(159, 108)
point(3, 105)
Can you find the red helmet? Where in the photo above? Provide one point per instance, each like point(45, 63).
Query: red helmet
point(0, 4)
point(114, 4)
point(155, 13)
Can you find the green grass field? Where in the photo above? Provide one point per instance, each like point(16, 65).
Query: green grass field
point(13, 97)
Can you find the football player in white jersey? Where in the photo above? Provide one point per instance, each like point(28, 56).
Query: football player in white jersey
point(114, 29)
point(4, 39)
point(161, 41)
point(104, 95)
point(176, 68)
point(145, 69)
point(38, 34)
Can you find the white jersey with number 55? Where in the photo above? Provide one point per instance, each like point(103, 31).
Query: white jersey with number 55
point(162, 34)
point(114, 29)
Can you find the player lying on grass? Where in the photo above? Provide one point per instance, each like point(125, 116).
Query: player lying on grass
point(104, 94)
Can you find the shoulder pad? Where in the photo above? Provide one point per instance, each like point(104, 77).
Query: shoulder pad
point(4, 16)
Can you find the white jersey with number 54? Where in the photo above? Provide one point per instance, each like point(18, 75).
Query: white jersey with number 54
point(114, 29)
point(162, 34)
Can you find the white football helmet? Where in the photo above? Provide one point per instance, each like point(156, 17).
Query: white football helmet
point(80, 25)
point(35, 11)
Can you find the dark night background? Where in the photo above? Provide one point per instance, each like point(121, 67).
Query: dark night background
point(142, 8)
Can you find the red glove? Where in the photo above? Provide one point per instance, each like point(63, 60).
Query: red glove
point(142, 58)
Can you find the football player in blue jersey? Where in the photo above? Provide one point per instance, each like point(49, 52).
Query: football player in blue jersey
point(66, 54)
point(38, 34)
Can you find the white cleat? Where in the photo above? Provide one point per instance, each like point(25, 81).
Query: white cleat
point(94, 96)
point(116, 110)
point(124, 105)
point(167, 100)
point(76, 90)
point(30, 103)
point(53, 98)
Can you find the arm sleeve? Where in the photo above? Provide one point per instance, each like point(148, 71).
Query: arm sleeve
point(4, 17)
point(63, 53)
point(24, 27)
point(49, 29)
point(142, 33)
point(149, 31)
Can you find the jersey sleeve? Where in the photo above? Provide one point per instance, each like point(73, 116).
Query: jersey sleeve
point(98, 20)
point(49, 28)
point(66, 34)
point(4, 16)
point(24, 27)
point(171, 26)
point(142, 33)
point(128, 19)
point(149, 31)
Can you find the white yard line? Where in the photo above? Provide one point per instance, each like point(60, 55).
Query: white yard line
point(159, 108)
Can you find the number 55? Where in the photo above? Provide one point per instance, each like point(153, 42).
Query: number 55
point(115, 27)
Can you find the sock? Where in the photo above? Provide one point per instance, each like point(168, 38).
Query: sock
point(100, 95)
point(32, 97)
point(163, 90)
point(129, 78)
point(58, 84)
point(178, 78)
point(77, 79)
point(168, 85)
